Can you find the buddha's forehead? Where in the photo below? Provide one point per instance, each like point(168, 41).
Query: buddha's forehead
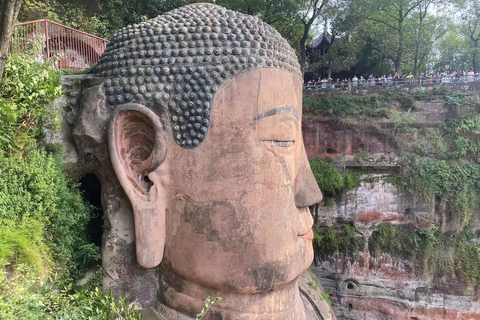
point(179, 60)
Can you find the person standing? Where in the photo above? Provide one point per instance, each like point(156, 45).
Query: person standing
point(355, 81)
point(470, 76)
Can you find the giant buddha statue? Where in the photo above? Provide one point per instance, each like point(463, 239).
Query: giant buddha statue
point(192, 122)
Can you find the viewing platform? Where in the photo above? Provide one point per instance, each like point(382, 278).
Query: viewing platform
point(457, 84)
point(70, 48)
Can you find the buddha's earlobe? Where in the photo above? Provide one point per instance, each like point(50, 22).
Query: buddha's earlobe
point(138, 147)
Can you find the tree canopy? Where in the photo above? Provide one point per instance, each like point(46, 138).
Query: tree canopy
point(366, 36)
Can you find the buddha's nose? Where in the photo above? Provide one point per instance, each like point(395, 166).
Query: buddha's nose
point(307, 192)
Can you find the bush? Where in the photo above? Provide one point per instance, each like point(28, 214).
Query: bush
point(328, 177)
point(27, 87)
point(24, 296)
point(455, 184)
point(331, 181)
point(399, 241)
point(42, 214)
point(24, 243)
point(43, 217)
point(344, 239)
point(351, 180)
point(433, 253)
point(343, 105)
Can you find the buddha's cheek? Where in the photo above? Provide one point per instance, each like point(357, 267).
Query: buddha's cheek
point(228, 244)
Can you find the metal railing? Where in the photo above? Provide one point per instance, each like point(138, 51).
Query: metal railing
point(70, 48)
point(346, 85)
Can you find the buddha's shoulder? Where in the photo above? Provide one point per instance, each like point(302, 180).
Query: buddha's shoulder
point(312, 294)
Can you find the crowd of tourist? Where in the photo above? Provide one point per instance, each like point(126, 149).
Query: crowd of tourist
point(396, 79)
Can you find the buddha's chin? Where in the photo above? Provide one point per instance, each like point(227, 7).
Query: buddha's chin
point(260, 278)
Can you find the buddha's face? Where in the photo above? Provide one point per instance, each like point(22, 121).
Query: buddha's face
point(233, 212)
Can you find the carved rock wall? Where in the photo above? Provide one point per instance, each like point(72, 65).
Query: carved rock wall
point(382, 287)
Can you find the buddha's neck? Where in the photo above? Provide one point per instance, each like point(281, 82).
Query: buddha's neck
point(183, 299)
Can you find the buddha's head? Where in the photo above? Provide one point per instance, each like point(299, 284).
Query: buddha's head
point(203, 109)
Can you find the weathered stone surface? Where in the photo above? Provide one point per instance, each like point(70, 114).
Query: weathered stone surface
point(314, 298)
point(382, 287)
point(327, 137)
point(181, 58)
point(58, 125)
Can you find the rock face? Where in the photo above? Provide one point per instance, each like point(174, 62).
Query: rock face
point(381, 287)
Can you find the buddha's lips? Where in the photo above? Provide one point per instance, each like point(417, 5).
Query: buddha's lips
point(308, 235)
point(305, 227)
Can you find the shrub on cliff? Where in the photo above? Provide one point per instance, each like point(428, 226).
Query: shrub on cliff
point(330, 179)
point(44, 245)
point(343, 238)
point(27, 87)
point(25, 296)
point(43, 217)
point(432, 253)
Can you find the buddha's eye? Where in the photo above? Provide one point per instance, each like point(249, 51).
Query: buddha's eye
point(278, 143)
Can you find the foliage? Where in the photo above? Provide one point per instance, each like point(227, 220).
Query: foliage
point(351, 180)
point(206, 307)
point(367, 38)
point(344, 238)
point(310, 11)
point(43, 217)
point(25, 296)
point(312, 285)
point(331, 181)
point(103, 18)
point(454, 185)
point(402, 121)
point(380, 105)
point(372, 105)
point(26, 89)
point(328, 177)
point(400, 241)
point(38, 200)
point(470, 29)
point(343, 105)
point(444, 167)
point(24, 243)
point(435, 145)
point(326, 296)
point(432, 252)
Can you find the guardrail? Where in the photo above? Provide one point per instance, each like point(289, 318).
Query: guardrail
point(343, 85)
point(72, 48)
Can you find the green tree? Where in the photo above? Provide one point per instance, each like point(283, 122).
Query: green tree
point(452, 52)
point(345, 17)
point(471, 28)
point(393, 14)
point(281, 14)
point(309, 13)
point(421, 43)
point(100, 17)
point(9, 10)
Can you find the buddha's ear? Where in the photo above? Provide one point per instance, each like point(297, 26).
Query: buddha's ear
point(137, 142)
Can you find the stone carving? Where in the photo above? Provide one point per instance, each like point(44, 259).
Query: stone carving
point(227, 218)
point(181, 58)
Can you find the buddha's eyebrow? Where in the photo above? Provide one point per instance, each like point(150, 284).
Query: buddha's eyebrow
point(285, 109)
